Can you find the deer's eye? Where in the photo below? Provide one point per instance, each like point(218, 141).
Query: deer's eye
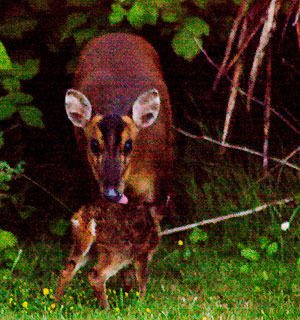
point(95, 146)
point(127, 147)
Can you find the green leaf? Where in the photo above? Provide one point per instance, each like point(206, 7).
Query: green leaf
point(184, 44)
point(84, 34)
point(26, 212)
point(169, 16)
point(245, 268)
point(74, 20)
point(11, 84)
point(187, 253)
point(250, 254)
point(5, 63)
point(1, 139)
point(201, 3)
point(135, 15)
point(265, 275)
point(15, 27)
point(7, 109)
point(7, 239)
point(196, 26)
point(272, 248)
point(81, 3)
point(59, 226)
point(32, 116)
point(39, 5)
point(151, 15)
point(27, 70)
point(198, 235)
point(117, 13)
point(16, 98)
point(238, 2)
point(264, 242)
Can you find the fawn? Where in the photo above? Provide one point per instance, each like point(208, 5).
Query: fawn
point(115, 236)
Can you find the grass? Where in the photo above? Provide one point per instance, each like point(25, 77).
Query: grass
point(206, 283)
point(245, 268)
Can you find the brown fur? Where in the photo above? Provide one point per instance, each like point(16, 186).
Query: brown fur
point(114, 235)
point(113, 71)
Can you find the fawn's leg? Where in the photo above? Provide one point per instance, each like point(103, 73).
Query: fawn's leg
point(97, 279)
point(82, 244)
point(142, 272)
point(128, 278)
point(73, 265)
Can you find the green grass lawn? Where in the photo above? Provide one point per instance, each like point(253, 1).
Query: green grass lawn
point(244, 268)
point(189, 281)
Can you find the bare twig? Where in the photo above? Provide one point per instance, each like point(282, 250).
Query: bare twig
point(234, 86)
point(242, 92)
point(244, 46)
point(291, 9)
point(296, 21)
point(245, 149)
point(242, 10)
point(288, 157)
point(13, 127)
point(259, 54)
point(46, 191)
point(229, 216)
point(267, 113)
point(297, 24)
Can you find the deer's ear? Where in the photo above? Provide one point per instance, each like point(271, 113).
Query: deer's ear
point(146, 108)
point(78, 108)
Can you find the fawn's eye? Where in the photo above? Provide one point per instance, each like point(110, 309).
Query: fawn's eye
point(127, 147)
point(95, 146)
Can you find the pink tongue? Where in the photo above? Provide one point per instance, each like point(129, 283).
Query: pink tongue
point(123, 200)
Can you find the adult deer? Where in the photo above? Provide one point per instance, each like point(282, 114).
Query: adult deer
point(122, 116)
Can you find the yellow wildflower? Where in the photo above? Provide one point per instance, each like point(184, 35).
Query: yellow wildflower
point(45, 291)
point(137, 294)
point(53, 305)
point(25, 304)
point(126, 294)
point(117, 309)
point(180, 242)
point(148, 310)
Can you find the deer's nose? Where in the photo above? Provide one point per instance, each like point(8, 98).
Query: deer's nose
point(114, 195)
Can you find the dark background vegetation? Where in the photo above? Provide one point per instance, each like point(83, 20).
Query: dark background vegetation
point(54, 32)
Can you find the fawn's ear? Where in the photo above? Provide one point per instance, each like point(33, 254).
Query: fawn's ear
point(146, 108)
point(78, 108)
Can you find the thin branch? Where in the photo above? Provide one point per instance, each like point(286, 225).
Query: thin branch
point(296, 21)
point(288, 157)
point(291, 9)
point(46, 191)
point(297, 25)
point(242, 92)
point(245, 149)
point(13, 127)
point(234, 86)
point(267, 113)
point(260, 52)
point(242, 10)
point(244, 46)
point(229, 216)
